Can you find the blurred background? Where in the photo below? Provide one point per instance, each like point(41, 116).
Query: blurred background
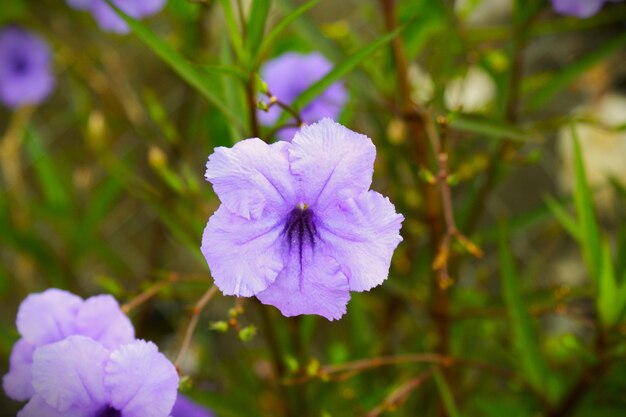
point(102, 191)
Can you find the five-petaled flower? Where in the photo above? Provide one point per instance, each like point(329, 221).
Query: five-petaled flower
point(579, 8)
point(79, 377)
point(109, 20)
point(298, 226)
point(290, 74)
point(25, 68)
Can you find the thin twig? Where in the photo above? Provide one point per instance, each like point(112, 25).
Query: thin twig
point(149, 293)
point(354, 367)
point(400, 394)
point(193, 322)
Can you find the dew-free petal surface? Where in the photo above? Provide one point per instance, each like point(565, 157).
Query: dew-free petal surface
point(311, 284)
point(578, 8)
point(37, 407)
point(185, 407)
point(244, 255)
point(101, 318)
point(69, 375)
point(332, 163)
point(17, 382)
point(48, 316)
point(252, 177)
point(141, 381)
point(361, 233)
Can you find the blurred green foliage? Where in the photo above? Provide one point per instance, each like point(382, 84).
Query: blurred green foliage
point(103, 192)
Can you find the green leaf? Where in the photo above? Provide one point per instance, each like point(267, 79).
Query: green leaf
point(525, 339)
point(573, 71)
point(256, 25)
point(180, 65)
point(233, 29)
point(589, 231)
point(563, 218)
point(609, 310)
point(446, 394)
point(339, 71)
point(487, 127)
point(49, 175)
point(278, 29)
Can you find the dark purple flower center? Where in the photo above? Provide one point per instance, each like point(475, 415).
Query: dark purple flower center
point(20, 65)
point(300, 228)
point(110, 412)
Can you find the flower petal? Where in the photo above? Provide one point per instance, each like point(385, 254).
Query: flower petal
point(578, 8)
point(243, 255)
point(17, 382)
point(185, 407)
point(141, 381)
point(251, 177)
point(48, 316)
point(361, 234)
point(101, 319)
point(311, 284)
point(332, 163)
point(37, 407)
point(68, 375)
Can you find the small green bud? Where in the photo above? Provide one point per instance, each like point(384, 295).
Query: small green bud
point(219, 326)
point(247, 333)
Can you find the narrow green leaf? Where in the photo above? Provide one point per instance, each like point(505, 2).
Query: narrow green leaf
point(341, 70)
point(233, 29)
point(278, 29)
point(446, 394)
point(49, 175)
point(608, 308)
point(256, 26)
point(525, 339)
point(563, 218)
point(180, 65)
point(590, 233)
point(487, 127)
point(573, 71)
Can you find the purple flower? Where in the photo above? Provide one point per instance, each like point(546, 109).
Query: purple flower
point(291, 74)
point(25, 68)
point(54, 315)
point(184, 407)
point(579, 8)
point(108, 19)
point(298, 226)
point(79, 377)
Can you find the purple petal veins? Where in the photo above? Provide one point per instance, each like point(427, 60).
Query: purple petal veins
point(298, 227)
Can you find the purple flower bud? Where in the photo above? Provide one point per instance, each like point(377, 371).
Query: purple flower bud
point(298, 226)
point(25, 68)
point(291, 74)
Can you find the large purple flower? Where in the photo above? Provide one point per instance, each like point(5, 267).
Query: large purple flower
point(108, 19)
point(25, 68)
point(184, 407)
point(54, 315)
point(298, 226)
point(79, 377)
point(288, 76)
point(579, 8)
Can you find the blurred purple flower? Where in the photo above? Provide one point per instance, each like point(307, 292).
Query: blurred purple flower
point(25, 68)
point(185, 407)
point(579, 8)
point(54, 315)
point(108, 19)
point(298, 226)
point(79, 377)
point(291, 74)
